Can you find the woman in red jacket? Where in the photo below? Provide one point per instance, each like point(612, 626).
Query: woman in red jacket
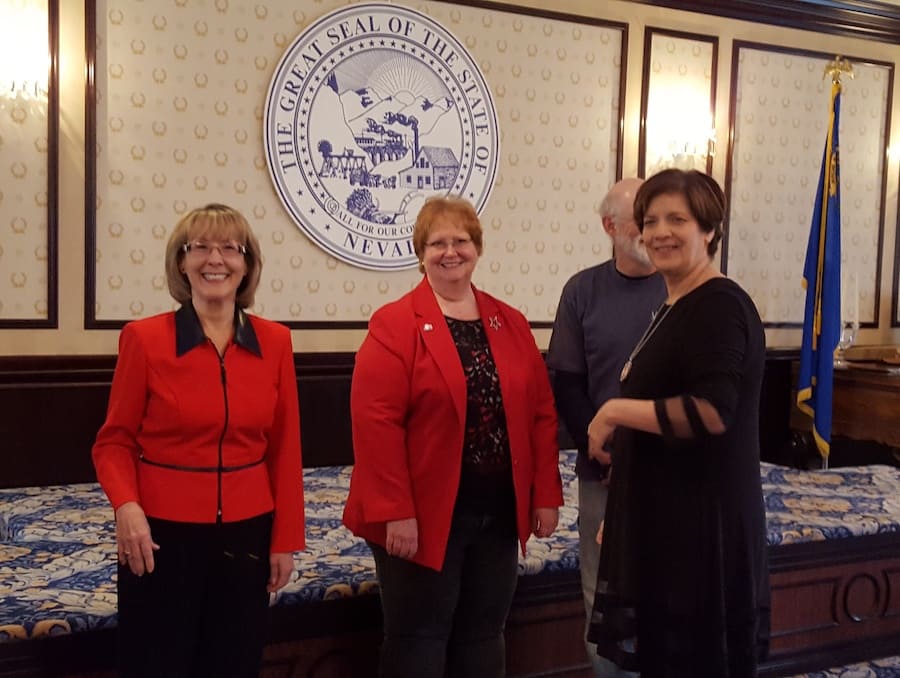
point(454, 437)
point(200, 458)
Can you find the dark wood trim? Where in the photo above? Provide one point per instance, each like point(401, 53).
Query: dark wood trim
point(89, 369)
point(649, 32)
point(885, 162)
point(53, 171)
point(813, 628)
point(537, 12)
point(90, 167)
point(52, 319)
point(645, 101)
point(729, 158)
point(865, 19)
point(623, 76)
point(737, 46)
point(895, 286)
point(293, 324)
point(73, 392)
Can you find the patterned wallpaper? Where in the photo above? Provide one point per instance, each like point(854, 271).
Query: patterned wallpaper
point(181, 90)
point(23, 161)
point(781, 122)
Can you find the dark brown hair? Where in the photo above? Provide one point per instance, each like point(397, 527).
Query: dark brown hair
point(704, 197)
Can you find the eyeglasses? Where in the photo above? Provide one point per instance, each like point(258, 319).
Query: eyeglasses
point(230, 249)
point(444, 245)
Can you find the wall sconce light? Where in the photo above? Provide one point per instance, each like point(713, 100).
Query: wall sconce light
point(680, 132)
point(24, 50)
point(678, 99)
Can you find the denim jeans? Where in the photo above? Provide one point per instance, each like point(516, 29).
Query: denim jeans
point(450, 622)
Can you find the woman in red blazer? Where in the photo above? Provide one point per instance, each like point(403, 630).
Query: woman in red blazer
point(200, 458)
point(454, 437)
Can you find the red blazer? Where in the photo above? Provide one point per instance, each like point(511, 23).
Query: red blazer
point(408, 406)
point(171, 403)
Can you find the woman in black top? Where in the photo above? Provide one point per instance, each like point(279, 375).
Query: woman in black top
point(684, 579)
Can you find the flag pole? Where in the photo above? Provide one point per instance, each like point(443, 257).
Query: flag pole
point(836, 68)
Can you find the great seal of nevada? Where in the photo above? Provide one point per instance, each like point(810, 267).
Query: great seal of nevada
point(373, 109)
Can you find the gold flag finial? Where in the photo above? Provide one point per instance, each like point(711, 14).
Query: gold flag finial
point(837, 68)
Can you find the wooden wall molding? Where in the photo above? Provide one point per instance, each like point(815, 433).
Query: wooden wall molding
point(54, 405)
point(866, 19)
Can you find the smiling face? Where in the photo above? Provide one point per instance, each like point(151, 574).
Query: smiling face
point(216, 226)
point(676, 244)
point(214, 264)
point(449, 255)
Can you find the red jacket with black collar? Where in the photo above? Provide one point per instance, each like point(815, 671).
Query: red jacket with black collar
point(193, 437)
point(408, 406)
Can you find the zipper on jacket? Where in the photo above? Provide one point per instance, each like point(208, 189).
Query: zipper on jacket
point(221, 466)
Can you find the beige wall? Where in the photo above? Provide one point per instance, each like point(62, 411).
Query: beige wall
point(71, 338)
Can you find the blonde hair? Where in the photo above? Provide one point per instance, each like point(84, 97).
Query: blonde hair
point(463, 214)
point(217, 222)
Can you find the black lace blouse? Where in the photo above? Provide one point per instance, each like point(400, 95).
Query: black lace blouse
point(486, 481)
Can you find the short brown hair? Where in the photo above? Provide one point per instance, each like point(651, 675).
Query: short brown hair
point(704, 197)
point(459, 208)
point(214, 221)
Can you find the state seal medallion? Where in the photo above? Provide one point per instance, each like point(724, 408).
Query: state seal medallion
point(373, 109)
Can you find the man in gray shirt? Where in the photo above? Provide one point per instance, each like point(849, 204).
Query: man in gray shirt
point(602, 313)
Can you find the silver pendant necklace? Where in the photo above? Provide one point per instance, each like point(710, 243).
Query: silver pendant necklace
point(655, 322)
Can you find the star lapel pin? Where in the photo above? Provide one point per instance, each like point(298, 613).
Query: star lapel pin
point(494, 322)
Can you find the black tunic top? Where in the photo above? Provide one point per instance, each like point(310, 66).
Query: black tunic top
point(684, 543)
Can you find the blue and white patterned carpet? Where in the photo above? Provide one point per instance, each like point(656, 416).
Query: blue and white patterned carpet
point(57, 550)
point(879, 668)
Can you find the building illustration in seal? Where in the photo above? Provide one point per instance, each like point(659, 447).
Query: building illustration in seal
point(433, 168)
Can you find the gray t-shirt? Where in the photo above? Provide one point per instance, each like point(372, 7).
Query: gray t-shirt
point(601, 317)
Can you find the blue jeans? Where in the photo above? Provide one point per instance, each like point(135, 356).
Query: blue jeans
point(450, 622)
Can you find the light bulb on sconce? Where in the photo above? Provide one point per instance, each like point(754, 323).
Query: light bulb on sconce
point(694, 153)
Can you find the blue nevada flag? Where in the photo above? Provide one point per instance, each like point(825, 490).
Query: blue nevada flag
point(822, 280)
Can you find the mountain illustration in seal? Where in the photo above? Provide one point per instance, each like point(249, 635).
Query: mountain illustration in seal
point(387, 135)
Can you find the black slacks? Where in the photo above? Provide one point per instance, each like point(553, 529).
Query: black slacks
point(450, 623)
point(203, 610)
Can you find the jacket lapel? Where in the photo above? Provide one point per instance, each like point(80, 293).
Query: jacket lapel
point(436, 336)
